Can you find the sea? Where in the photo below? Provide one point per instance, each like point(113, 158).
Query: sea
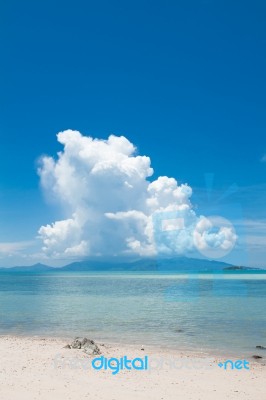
point(205, 313)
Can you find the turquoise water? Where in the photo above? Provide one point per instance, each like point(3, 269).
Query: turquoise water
point(197, 312)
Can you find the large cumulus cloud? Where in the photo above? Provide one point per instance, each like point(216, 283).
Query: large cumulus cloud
point(111, 207)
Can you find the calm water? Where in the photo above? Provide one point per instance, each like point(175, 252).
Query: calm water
point(202, 313)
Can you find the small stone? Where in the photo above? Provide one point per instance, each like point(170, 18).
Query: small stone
point(88, 346)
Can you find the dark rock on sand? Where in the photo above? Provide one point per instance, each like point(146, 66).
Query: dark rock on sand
point(87, 345)
point(76, 344)
point(67, 346)
point(256, 357)
point(261, 347)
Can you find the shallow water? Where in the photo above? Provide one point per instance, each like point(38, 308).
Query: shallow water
point(195, 312)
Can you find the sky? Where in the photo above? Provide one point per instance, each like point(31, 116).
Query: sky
point(176, 87)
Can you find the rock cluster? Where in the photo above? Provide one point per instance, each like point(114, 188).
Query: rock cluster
point(87, 345)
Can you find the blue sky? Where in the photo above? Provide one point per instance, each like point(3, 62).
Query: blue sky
point(183, 81)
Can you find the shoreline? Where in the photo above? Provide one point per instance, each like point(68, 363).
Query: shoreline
point(41, 368)
point(155, 348)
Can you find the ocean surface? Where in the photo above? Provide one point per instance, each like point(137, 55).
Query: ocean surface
point(202, 313)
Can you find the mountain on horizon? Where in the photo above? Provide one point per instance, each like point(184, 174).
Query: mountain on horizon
point(29, 268)
point(176, 264)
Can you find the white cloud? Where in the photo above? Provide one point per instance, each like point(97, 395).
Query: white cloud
point(263, 159)
point(110, 205)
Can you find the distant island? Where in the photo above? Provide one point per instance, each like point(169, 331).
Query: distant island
point(160, 265)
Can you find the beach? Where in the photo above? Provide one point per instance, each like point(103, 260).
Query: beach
point(41, 368)
point(132, 200)
point(185, 328)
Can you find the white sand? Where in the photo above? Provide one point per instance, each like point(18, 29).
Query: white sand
point(35, 368)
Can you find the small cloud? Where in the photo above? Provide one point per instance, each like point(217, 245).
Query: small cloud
point(10, 248)
point(263, 159)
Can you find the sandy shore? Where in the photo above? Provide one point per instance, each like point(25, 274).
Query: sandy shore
point(40, 368)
